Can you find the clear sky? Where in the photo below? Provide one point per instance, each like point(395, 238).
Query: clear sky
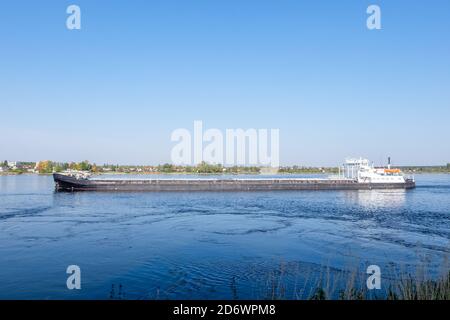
point(115, 90)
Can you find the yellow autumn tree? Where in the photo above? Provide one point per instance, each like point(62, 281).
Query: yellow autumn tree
point(45, 166)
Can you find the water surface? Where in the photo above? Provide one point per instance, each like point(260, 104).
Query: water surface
point(209, 245)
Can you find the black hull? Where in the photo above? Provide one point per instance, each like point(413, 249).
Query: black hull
point(68, 183)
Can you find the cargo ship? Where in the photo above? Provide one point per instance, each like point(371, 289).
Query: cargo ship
point(355, 174)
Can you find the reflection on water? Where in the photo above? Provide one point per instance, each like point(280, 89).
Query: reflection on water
point(374, 199)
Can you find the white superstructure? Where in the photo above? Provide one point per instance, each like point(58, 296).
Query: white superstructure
point(363, 171)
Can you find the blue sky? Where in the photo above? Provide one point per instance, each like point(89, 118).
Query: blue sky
point(116, 89)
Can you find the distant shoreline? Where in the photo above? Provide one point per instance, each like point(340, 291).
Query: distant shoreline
point(202, 174)
point(48, 167)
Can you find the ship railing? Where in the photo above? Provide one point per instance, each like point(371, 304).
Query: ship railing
point(340, 177)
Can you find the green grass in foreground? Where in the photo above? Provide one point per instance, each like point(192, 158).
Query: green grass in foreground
point(405, 289)
point(346, 285)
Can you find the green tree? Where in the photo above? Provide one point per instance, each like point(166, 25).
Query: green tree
point(58, 167)
point(205, 167)
point(84, 166)
point(73, 166)
point(166, 168)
